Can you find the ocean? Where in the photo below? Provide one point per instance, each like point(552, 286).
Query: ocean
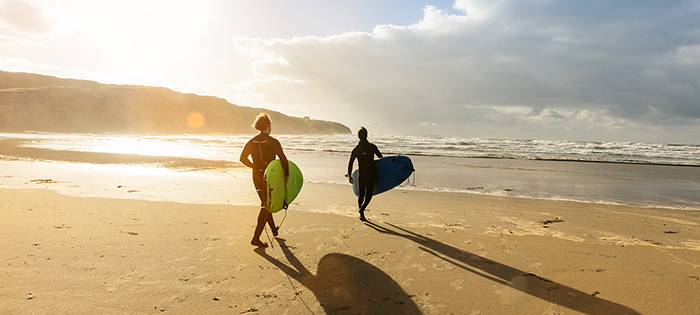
point(221, 147)
point(628, 173)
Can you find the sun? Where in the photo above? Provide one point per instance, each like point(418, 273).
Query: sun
point(140, 36)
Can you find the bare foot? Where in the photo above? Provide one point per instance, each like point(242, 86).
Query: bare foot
point(275, 231)
point(258, 243)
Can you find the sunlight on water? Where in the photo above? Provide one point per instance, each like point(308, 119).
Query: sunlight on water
point(138, 146)
point(213, 147)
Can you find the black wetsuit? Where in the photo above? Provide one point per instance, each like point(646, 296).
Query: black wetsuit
point(364, 152)
point(263, 149)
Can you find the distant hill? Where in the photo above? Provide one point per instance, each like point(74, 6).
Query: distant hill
point(32, 102)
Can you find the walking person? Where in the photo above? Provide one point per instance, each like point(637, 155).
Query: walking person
point(263, 149)
point(364, 152)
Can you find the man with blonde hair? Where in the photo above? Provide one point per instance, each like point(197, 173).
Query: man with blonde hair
point(263, 149)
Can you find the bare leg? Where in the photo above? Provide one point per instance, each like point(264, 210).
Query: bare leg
point(271, 223)
point(262, 218)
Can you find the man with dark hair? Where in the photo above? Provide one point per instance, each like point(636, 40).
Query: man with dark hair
point(364, 152)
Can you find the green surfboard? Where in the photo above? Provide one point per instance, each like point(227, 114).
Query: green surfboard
point(279, 195)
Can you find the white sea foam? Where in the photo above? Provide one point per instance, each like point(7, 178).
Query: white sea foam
point(221, 147)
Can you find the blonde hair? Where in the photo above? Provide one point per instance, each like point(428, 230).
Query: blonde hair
point(262, 121)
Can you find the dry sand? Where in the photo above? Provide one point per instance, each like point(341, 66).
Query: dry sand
point(422, 253)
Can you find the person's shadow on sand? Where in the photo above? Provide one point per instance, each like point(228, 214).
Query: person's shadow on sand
point(520, 280)
point(345, 284)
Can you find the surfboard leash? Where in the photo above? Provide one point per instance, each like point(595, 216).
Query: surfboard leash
point(283, 218)
point(285, 206)
point(272, 246)
point(408, 180)
point(298, 294)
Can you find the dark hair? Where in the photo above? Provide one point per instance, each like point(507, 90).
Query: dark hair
point(262, 122)
point(362, 133)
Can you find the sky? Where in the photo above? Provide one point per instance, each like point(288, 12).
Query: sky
point(597, 70)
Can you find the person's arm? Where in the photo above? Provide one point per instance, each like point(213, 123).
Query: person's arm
point(244, 156)
point(376, 151)
point(283, 158)
point(352, 161)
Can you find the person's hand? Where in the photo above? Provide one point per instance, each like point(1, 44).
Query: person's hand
point(350, 179)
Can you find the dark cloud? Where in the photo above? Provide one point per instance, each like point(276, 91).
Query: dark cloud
point(621, 67)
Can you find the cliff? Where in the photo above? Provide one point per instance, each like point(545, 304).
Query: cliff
point(32, 102)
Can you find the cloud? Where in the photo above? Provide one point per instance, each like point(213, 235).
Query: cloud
point(12, 42)
point(569, 69)
point(24, 16)
point(501, 65)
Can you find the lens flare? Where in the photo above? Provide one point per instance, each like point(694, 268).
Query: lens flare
point(195, 120)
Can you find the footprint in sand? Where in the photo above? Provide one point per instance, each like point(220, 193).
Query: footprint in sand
point(113, 284)
point(457, 284)
point(209, 248)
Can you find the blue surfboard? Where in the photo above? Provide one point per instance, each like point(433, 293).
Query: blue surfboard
point(391, 172)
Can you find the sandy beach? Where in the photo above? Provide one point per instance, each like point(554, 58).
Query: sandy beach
point(554, 152)
point(128, 234)
point(421, 253)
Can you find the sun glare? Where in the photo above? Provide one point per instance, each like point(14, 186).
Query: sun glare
point(140, 36)
point(141, 147)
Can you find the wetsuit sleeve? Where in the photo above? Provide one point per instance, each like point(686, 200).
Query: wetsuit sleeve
point(352, 161)
point(376, 151)
point(245, 156)
point(283, 158)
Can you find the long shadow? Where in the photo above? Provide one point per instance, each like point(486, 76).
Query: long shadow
point(348, 285)
point(526, 282)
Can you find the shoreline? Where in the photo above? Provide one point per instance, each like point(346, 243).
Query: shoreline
point(422, 252)
point(646, 185)
point(504, 157)
point(142, 182)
